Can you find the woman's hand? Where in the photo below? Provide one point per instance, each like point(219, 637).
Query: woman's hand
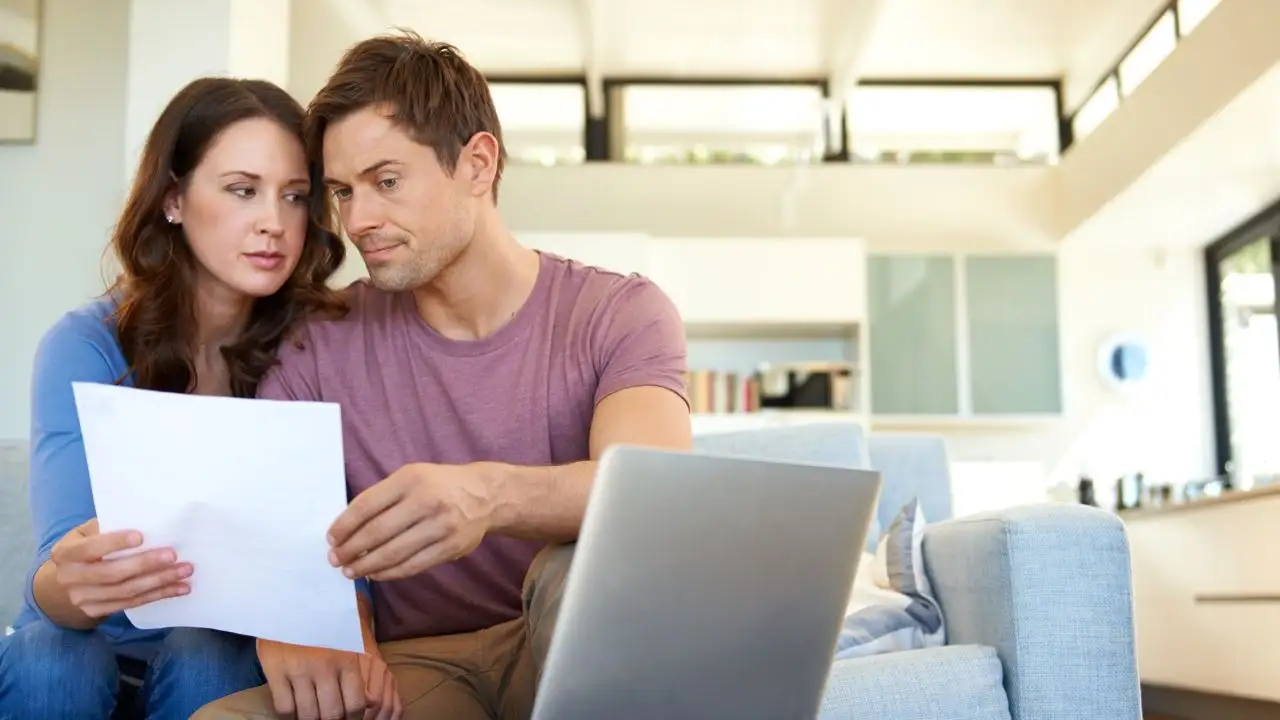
point(99, 587)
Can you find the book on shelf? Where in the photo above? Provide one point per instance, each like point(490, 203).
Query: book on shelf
point(716, 391)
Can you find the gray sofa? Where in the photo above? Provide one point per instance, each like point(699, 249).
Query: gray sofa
point(1037, 599)
point(16, 542)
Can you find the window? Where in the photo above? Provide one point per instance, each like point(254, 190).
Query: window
point(1156, 44)
point(1192, 12)
point(1247, 379)
point(703, 124)
point(542, 123)
point(1148, 53)
point(956, 124)
point(1097, 108)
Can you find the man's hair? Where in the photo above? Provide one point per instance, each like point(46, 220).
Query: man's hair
point(427, 88)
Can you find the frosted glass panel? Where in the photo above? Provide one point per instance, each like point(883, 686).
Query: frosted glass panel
point(1013, 335)
point(913, 335)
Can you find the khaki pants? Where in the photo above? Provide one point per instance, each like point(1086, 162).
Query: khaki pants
point(488, 674)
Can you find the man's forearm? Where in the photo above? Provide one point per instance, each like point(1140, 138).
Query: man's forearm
point(542, 503)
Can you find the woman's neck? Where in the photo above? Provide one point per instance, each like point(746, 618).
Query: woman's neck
point(221, 315)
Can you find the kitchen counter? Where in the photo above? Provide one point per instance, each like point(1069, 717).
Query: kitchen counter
point(1233, 496)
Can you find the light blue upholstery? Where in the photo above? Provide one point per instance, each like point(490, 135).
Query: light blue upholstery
point(959, 682)
point(1048, 587)
point(1036, 599)
point(913, 467)
point(17, 545)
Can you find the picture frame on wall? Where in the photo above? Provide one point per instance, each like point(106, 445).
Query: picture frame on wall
point(20, 39)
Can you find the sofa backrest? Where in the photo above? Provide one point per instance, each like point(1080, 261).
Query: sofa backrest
point(912, 466)
point(17, 545)
point(839, 444)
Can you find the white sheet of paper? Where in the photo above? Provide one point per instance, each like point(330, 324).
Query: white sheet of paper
point(244, 490)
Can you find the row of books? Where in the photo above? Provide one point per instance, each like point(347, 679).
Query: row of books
point(715, 391)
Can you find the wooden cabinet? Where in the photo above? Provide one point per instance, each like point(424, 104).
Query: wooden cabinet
point(1011, 317)
point(913, 335)
point(936, 338)
point(762, 281)
point(963, 337)
point(734, 281)
point(1207, 594)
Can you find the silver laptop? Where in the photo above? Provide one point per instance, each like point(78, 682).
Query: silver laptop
point(706, 587)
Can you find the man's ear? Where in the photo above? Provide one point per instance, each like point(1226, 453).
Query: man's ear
point(479, 159)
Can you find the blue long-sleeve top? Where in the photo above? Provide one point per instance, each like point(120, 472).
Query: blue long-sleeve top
point(81, 347)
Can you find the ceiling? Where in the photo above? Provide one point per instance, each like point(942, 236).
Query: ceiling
point(1224, 171)
point(1075, 40)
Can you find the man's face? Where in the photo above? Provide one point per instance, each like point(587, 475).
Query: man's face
point(408, 217)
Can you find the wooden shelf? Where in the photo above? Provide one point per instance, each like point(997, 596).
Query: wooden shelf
point(952, 422)
point(771, 331)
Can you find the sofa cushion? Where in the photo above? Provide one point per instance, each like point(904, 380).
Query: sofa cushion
point(892, 607)
point(957, 682)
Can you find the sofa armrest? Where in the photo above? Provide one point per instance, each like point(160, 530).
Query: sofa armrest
point(1048, 587)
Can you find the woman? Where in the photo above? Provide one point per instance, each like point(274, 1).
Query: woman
point(223, 250)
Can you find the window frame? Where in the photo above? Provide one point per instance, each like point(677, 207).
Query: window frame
point(1169, 7)
point(569, 79)
point(1065, 133)
point(1264, 224)
point(615, 120)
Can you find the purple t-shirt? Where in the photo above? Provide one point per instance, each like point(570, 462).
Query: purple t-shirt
point(523, 395)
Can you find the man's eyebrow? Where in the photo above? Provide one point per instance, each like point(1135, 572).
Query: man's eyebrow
point(365, 172)
point(256, 176)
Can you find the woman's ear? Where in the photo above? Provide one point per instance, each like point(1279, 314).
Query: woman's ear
point(173, 207)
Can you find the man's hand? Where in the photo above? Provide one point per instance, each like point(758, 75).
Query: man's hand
point(317, 684)
point(420, 516)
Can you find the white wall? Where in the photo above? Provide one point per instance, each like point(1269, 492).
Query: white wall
point(1166, 429)
point(59, 197)
point(17, 115)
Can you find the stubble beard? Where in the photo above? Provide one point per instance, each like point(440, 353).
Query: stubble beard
point(416, 271)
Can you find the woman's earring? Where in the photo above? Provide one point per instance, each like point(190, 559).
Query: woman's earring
point(170, 219)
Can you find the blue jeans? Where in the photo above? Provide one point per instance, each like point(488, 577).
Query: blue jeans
point(47, 671)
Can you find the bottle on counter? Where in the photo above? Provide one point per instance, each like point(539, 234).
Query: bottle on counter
point(1086, 491)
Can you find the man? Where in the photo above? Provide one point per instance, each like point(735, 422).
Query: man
point(479, 382)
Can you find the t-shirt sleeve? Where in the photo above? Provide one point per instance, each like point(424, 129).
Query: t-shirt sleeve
point(295, 376)
point(640, 341)
point(61, 497)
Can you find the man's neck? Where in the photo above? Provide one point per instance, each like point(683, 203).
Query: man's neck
point(483, 288)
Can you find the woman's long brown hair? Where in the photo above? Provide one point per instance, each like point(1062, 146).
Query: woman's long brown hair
point(155, 318)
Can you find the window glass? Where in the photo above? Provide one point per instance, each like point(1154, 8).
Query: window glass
point(542, 123)
point(895, 123)
point(1192, 12)
point(700, 124)
point(1148, 53)
point(1251, 350)
point(1097, 108)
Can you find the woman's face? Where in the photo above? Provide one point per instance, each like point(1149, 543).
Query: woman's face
point(244, 208)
